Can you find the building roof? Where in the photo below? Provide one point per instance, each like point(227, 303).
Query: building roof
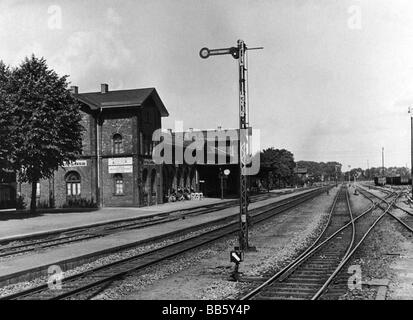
point(300, 170)
point(122, 98)
point(220, 135)
point(210, 134)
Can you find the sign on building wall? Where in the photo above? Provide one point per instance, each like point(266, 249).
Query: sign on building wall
point(120, 165)
point(148, 162)
point(77, 163)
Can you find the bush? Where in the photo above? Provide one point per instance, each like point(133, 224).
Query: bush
point(43, 204)
point(20, 203)
point(80, 203)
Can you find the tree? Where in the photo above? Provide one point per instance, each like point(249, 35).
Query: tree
point(280, 165)
point(5, 145)
point(391, 172)
point(44, 122)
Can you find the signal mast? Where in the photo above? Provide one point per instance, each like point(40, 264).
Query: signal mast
point(239, 53)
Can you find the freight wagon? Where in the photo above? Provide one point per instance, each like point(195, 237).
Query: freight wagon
point(379, 181)
point(395, 181)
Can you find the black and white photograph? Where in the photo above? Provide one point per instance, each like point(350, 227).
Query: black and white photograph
point(205, 156)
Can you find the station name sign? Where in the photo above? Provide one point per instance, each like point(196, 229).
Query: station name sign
point(120, 165)
point(77, 163)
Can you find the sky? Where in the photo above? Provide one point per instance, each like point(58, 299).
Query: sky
point(333, 82)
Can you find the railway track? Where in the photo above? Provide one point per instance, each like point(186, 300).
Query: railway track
point(29, 244)
point(82, 283)
point(309, 276)
point(339, 285)
point(407, 221)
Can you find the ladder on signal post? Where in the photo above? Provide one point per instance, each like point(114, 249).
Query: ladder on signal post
point(239, 53)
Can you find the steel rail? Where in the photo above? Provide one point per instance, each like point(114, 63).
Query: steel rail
point(232, 226)
point(353, 228)
point(341, 265)
point(304, 256)
point(394, 205)
point(84, 234)
point(391, 214)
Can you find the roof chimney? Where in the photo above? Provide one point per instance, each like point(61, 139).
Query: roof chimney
point(219, 128)
point(74, 89)
point(104, 88)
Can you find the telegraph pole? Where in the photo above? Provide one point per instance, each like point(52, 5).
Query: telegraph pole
point(336, 167)
point(382, 161)
point(239, 53)
point(349, 173)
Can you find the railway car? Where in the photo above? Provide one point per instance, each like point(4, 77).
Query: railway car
point(380, 181)
point(395, 181)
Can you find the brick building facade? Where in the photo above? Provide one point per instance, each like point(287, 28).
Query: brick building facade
point(115, 167)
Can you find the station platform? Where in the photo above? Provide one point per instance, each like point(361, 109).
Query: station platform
point(43, 223)
point(71, 255)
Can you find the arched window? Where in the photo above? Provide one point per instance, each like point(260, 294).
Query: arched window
point(38, 190)
point(118, 184)
point(73, 184)
point(117, 144)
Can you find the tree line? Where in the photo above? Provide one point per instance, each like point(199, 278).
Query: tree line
point(369, 174)
point(278, 170)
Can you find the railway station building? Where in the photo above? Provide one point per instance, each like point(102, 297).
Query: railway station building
point(218, 154)
point(116, 167)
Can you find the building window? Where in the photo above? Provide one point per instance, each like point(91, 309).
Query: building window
point(73, 184)
point(141, 142)
point(117, 144)
point(118, 184)
point(38, 190)
point(147, 145)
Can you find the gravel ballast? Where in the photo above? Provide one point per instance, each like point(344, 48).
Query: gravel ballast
point(203, 273)
point(380, 258)
point(14, 288)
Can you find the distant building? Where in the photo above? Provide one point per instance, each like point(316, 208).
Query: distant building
point(301, 175)
point(300, 171)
